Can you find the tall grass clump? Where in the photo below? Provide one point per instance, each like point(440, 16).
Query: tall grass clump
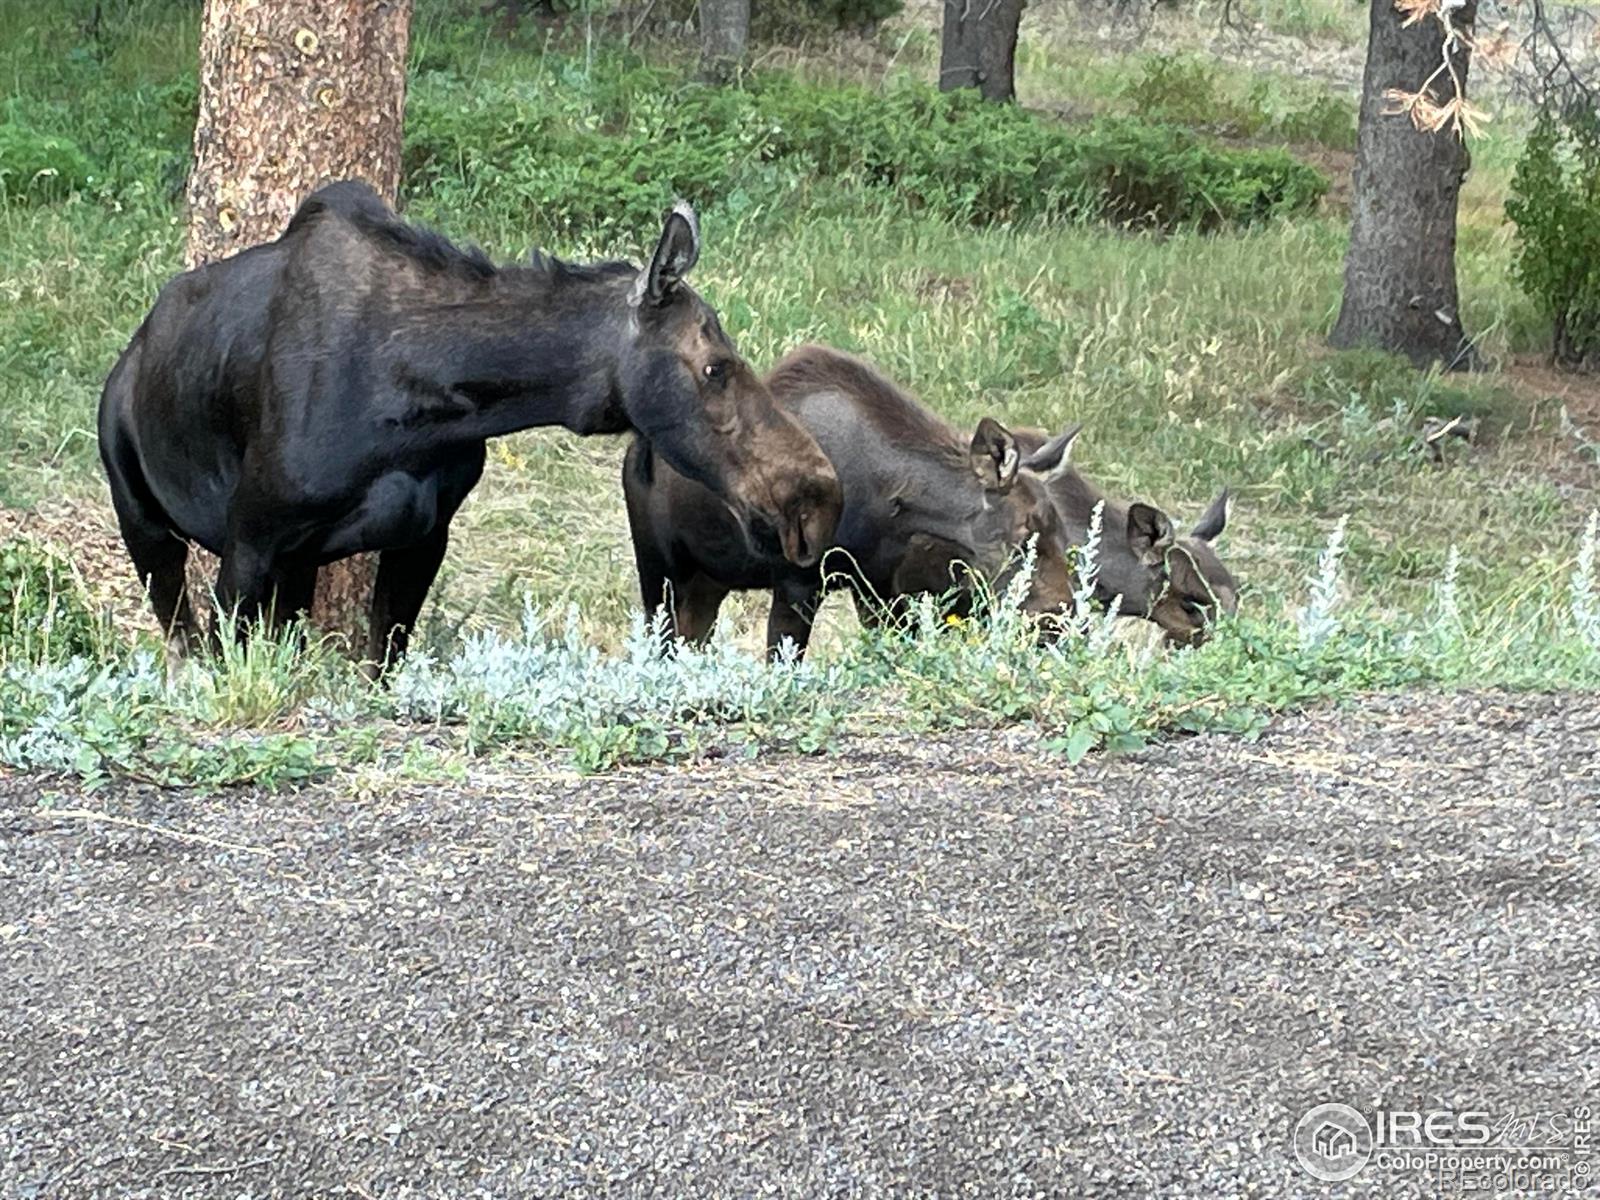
point(45, 614)
point(264, 679)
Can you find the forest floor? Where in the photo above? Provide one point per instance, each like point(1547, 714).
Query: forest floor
point(951, 966)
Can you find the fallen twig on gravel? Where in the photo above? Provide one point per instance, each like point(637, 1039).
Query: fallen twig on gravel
point(224, 1169)
point(89, 814)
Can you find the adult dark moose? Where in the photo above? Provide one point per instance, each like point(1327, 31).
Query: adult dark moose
point(330, 393)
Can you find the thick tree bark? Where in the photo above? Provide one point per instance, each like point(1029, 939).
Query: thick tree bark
point(1400, 271)
point(979, 47)
point(724, 33)
point(294, 94)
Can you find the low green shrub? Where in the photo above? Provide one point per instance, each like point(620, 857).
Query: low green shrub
point(122, 141)
point(1187, 91)
point(600, 151)
point(1555, 201)
point(1325, 120)
point(1164, 176)
point(40, 166)
point(848, 14)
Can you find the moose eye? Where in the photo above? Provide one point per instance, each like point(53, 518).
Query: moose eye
point(716, 372)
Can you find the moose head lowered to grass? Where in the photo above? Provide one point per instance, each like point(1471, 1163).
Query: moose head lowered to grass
point(330, 393)
point(1177, 582)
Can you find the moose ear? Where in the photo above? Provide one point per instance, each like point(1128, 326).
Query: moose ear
point(994, 456)
point(1210, 526)
point(1149, 534)
point(676, 252)
point(1053, 453)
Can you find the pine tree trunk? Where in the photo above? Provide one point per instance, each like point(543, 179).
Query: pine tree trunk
point(1400, 272)
point(979, 47)
point(294, 94)
point(724, 33)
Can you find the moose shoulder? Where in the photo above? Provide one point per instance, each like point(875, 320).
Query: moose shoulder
point(921, 503)
point(330, 393)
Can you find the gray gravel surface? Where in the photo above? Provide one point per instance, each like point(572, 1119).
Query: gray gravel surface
point(955, 967)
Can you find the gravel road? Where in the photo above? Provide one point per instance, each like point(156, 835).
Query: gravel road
point(911, 968)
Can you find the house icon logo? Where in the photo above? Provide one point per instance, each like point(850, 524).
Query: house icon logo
point(1333, 1142)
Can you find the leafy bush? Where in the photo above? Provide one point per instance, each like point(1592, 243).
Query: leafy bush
point(40, 166)
point(1191, 92)
point(1326, 120)
point(1555, 201)
point(603, 151)
point(44, 614)
point(1186, 90)
point(128, 141)
point(852, 13)
point(1160, 175)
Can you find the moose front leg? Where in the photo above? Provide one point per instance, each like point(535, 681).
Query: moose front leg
point(404, 577)
point(793, 612)
point(245, 582)
point(696, 601)
point(406, 573)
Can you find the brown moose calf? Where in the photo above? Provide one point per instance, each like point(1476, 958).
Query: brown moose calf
point(920, 502)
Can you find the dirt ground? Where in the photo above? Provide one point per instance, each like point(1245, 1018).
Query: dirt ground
point(955, 967)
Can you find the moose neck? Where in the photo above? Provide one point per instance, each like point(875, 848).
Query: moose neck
point(525, 351)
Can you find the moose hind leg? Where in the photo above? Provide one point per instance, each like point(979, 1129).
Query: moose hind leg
point(159, 555)
point(246, 581)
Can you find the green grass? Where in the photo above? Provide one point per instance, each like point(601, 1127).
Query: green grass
point(1195, 360)
point(1338, 21)
point(1329, 20)
point(277, 712)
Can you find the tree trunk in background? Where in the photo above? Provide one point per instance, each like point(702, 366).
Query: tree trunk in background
point(1400, 272)
point(724, 33)
point(294, 94)
point(979, 48)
